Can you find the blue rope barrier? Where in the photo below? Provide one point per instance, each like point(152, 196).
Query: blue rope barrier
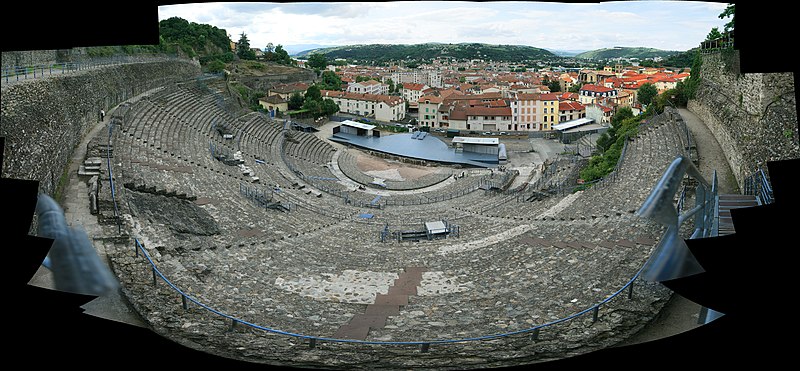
point(111, 179)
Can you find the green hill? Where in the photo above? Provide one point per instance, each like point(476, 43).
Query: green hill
point(202, 40)
point(420, 52)
point(626, 52)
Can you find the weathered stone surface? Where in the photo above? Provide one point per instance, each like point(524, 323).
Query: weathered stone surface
point(753, 116)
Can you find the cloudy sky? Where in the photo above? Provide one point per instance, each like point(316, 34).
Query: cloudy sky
point(668, 25)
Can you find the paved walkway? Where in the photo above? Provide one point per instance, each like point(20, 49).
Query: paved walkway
point(681, 314)
point(709, 153)
point(75, 203)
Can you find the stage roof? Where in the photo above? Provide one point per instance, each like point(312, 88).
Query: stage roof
point(473, 140)
point(359, 125)
point(573, 124)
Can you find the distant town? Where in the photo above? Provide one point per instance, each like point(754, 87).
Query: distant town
point(484, 96)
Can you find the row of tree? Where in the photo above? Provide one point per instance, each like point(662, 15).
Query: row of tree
point(271, 53)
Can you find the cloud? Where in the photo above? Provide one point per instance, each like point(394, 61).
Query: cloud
point(546, 25)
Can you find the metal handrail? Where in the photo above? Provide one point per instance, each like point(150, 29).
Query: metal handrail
point(41, 70)
point(672, 258)
point(758, 185)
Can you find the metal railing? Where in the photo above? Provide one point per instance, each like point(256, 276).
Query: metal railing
point(17, 73)
point(672, 258)
point(724, 42)
point(758, 185)
point(111, 177)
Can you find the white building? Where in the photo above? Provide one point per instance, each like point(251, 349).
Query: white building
point(412, 92)
point(432, 78)
point(523, 108)
point(381, 107)
point(368, 87)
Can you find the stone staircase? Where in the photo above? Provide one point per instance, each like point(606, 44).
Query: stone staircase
point(728, 202)
point(91, 166)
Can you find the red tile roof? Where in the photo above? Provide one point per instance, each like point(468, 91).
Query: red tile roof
point(412, 86)
point(596, 88)
point(568, 96)
point(575, 106)
point(430, 98)
point(528, 96)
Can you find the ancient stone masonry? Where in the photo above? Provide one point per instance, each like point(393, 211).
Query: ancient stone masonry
point(44, 119)
point(753, 116)
point(319, 270)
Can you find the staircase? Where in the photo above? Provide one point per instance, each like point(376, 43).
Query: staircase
point(727, 202)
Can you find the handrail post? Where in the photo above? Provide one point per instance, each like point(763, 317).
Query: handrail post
point(700, 200)
point(312, 343)
point(535, 334)
point(184, 303)
point(595, 313)
point(154, 275)
point(424, 348)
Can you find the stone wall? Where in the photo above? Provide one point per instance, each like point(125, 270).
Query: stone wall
point(266, 82)
point(753, 116)
point(43, 120)
point(29, 58)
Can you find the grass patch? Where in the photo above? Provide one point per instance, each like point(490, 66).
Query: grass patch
point(59, 192)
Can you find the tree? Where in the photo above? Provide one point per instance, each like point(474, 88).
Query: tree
point(269, 48)
point(622, 114)
point(296, 101)
point(314, 107)
point(313, 93)
point(317, 61)
point(243, 48)
point(646, 93)
point(730, 11)
point(714, 34)
point(554, 86)
point(392, 88)
point(280, 56)
point(575, 88)
point(215, 66)
point(331, 81)
point(362, 78)
point(329, 107)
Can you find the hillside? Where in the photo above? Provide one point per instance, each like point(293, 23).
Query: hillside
point(194, 39)
point(683, 59)
point(419, 52)
point(626, 52)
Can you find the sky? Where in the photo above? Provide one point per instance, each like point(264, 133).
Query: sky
point(667, 25)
